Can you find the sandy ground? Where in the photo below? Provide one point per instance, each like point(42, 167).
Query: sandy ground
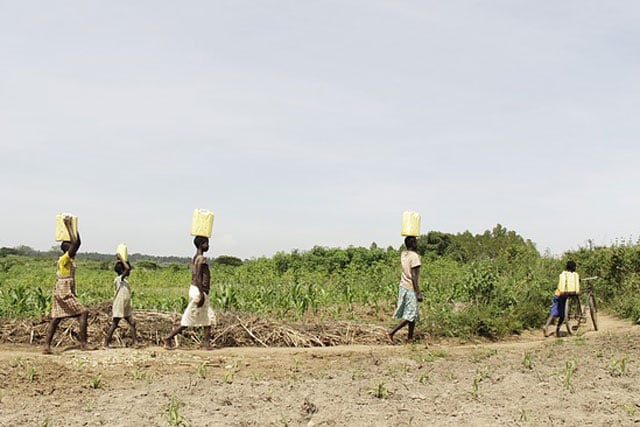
point(591, 378)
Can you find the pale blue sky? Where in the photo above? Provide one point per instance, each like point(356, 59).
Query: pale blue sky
point(318, 123)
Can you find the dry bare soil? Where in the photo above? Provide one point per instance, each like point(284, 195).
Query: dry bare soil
point(591, 378)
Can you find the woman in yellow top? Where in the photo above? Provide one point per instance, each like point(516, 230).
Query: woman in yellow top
point(568, 281)
point(65, 302)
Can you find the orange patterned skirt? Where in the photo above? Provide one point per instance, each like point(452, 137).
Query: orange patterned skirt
point(65, 303)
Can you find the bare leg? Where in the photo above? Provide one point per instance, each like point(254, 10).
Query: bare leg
point(83, 329)
point(399, 326)
point(114, 325)
point(546, 325)
point(53, 326)
point(168, 338)
point(560, 320)
point(412, 328)
point(206, 344)
point(132, 323)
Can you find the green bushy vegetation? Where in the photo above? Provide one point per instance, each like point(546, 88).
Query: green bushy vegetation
point(489, 284)
point(618, 267)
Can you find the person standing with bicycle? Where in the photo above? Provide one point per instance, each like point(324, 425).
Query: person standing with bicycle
point(568, 281)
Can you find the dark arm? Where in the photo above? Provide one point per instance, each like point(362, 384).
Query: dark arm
point(75, 239)
point(198, 277)
point(127, 266)
point(415, 279)
point(127, 269)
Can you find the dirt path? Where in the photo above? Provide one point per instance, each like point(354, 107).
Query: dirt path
point(587, 379)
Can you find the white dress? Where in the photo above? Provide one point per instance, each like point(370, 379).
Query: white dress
point(197, 316)
point(122, 306)
point(194, 315)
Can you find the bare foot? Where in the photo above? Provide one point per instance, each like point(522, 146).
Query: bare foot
point(47, 350)
point(390, 337)
point(166, 343)
point(72, 347)
point(87, 347)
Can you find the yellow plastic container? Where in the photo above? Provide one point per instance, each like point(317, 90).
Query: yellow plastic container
point(123, 251)
point(61, 233)
point(569, 283)
point(410, 223)
point(202, 223)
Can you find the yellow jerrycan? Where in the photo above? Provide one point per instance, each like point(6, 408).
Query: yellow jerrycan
point(410, 223)
point(202, 223)
point(61, 233)
point(123, 251)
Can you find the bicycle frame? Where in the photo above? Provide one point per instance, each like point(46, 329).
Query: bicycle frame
point(576, 312)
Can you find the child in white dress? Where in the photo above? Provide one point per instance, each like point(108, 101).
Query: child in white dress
point(122, 306)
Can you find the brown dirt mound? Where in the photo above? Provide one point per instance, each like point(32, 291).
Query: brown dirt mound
point(231, 330)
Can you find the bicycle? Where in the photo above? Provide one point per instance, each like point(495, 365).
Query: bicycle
point(574, 314)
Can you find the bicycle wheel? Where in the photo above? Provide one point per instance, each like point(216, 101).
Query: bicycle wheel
point(593, 311)
point(572, 314)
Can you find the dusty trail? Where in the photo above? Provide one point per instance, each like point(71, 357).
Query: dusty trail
point(587, 379)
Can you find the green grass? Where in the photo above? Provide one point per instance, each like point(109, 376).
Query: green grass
point(173, 412)
point(380, 391)
point(569, 371)
point(618, 366)
point(527, 360)
point(96, 382)
point(491, 294)
point(202, 370)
